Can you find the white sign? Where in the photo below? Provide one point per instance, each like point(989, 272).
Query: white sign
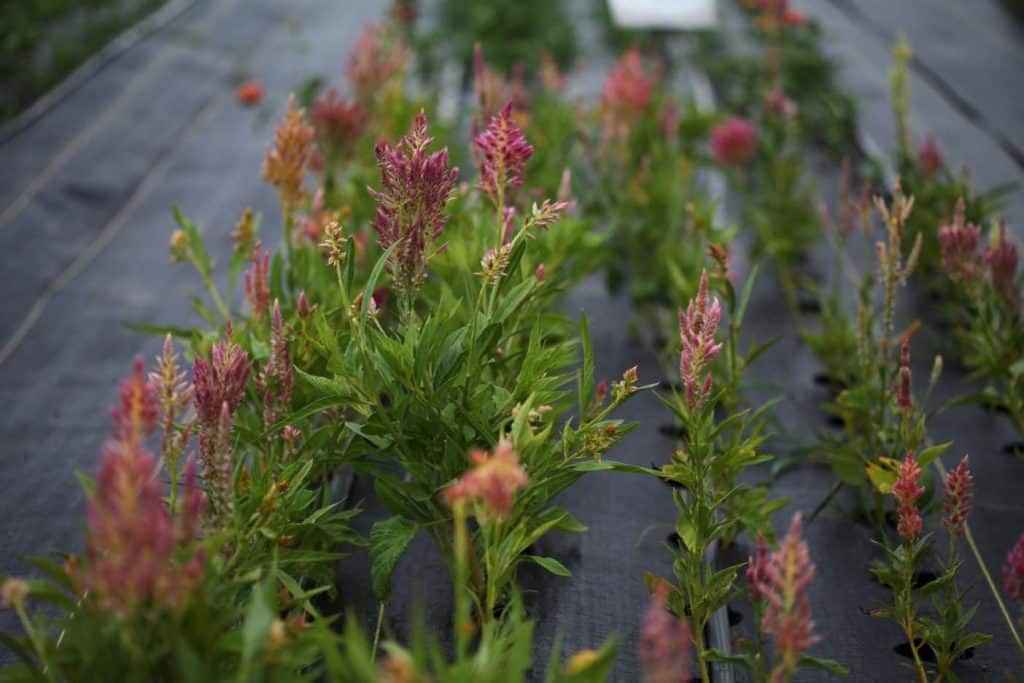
point(663, 14)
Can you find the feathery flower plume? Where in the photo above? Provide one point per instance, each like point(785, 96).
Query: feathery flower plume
point(417, 185)
point(697, 327)
point(135, 416)
point(503, 152)
point(907, 490)
point(1013, 571)
point(777, 103)
point(665, 642)
point(1001, 255)
point(285, 163)
point(136, 553)
point(734, 142)
point(257, 282)
point(902, 388)
point(174, 394)
point(379, 57)
point(787, 616)
point(757, 570)
point(959, 242)
point(492, 480)
point(492, 90)
point(338, 123)
point(628, 91)
point(956, 498)
point(218, 389)
point(551, 77)
point(929, 157)
point(275, 382)
point(244, 233)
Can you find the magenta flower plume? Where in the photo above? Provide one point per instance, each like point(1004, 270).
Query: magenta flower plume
point(219, 387)
point(338, 123)
point(275, 382)
point(1002, 257)
point(697, 327)
point(257, 282)
point(959, 242)
point(787, 616)
point(734, 142)
point(929, 157)
point(417, 185)
point(378, 57)
point(503, 153)
point(135, 416)
point(136, 553)
point(1013, 571)
point(907, 490)
point(665, 642)
point(956, 498)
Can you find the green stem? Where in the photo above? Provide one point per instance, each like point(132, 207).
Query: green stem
point(34, 638)
point(461, 580)
point(376, 633)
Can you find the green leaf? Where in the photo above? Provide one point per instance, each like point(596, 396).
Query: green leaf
point(256, 628)
point(371, 283)
point(388, 540)
point(586, 377)
point(831, 666)
point(551, 564)
point(931, 453)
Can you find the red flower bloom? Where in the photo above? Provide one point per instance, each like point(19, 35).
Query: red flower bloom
point(1013, 571)
point(959, 242)
point(249, 92)
point(929, 157)
point(956, 499)
point(1001, 255)
point(907, 490)
point(734, 142)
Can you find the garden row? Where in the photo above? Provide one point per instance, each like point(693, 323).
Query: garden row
point(409, 328)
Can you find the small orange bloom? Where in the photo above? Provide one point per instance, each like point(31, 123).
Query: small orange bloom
point(249, 93)
point(493, 480)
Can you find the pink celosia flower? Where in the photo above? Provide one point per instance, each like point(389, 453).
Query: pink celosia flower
point(493, 91)
point(410, 208)
point(338, 123)
point(907, 490)
point(665, 642)
point(219, 387)
point(275, 382)
point(757, 570)
point(734, 142)
point(174, 394)
point(1013, 571)
point(697, 327)
point(1001, 255)
point(929, 157)
point(959, 242)
point(628, 91)
point(668, 120)
point(135, 416)
point(540, 273)
point(503, 152)
point(378, 57)
point(956, 498)
point(787, 616)
point(136, 553)
point(492, 480)
point(257, 282)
